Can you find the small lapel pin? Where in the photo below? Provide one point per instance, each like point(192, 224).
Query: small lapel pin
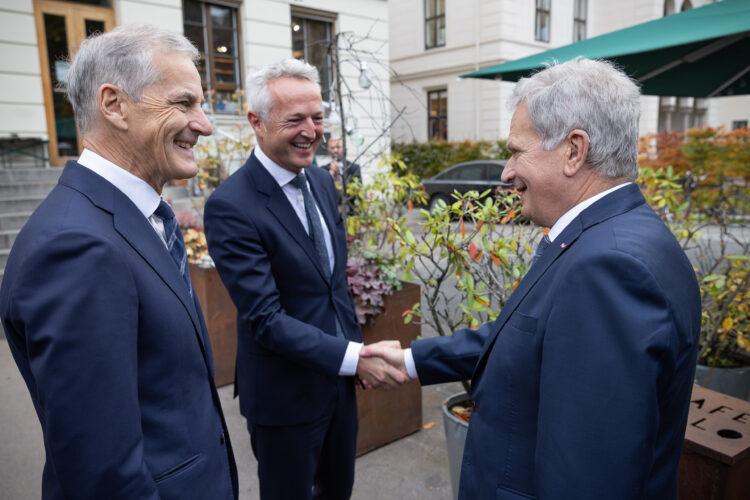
point(563, 245)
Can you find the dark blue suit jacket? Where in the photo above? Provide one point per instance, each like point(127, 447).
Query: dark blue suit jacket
point(288, 355)
point(114, 352)
point(582, 384)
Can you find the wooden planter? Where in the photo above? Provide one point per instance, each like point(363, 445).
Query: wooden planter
point(387, 416)
point(383, 416)
point(221, 320)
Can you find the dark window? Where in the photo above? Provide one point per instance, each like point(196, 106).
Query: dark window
point(471, 173)
point(541, 30)
point(739, 124)
point(311, 42)
point(579, 20)
point(434, 23)
point(495, 172)
point(437, 119)
point(213, 29)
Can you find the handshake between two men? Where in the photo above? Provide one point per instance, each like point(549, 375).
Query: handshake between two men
point(381, 365)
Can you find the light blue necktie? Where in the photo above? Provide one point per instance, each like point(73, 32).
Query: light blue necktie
point(175, 243)
point(313, 221)
point(541, 248)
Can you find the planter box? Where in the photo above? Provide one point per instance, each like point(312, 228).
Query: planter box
point(387, 416)
point(221, 320)
point(383, 416)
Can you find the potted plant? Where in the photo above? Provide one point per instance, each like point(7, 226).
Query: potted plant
point(380, 297)
point(705, 201)
point(468, 256)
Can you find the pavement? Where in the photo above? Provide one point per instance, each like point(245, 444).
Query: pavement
point(414, 467)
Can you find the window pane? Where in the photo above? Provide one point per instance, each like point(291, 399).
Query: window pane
point(298, 38)
point(579, 31)
point(542, 27)
point(429, 8)
point(193, 11)
point(471, 173)
point(441, 31)
point(223, 44)
point(429, 33)
point(318, 42)
point(441, 7)
point(221, 16)
point(495, 172)
point(93, 26)
point(195, 35)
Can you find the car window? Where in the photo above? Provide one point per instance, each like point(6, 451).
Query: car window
point(495, 171)
point(470, 173)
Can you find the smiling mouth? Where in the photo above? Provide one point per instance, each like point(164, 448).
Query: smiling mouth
point(184, 145)
point(302, 145)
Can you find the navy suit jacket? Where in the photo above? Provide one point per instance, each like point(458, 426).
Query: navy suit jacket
point(114, 352)
point(288, 355)
point(582, 384)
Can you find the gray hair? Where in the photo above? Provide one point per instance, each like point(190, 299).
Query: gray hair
point(591, 95)
point(259, 98)
point(121, 57)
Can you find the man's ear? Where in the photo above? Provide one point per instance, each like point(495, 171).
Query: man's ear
point(114, 105)
point(577, 152)
point(257, 123)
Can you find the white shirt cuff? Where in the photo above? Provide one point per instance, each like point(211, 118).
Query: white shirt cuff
point(351, 359)
point(411, 368)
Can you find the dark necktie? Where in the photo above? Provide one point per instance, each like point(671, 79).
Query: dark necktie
point(313, 221)
point(175, 243)
point(541, 248)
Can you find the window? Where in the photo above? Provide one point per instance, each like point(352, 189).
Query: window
point(579, 20)
point(311, 42)
point(541, 30)
point(737, 124)
point(437, 120)
point(213, 29)
point(434, 23)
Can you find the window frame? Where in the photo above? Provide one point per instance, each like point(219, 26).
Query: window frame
point(435, 21)
point(580, 18)
point(542, 13)
point(208, 58)
point(329, 18)
point(441, 132)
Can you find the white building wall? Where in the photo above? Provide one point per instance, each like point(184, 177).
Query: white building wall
point(481, 33)
point(21, 95)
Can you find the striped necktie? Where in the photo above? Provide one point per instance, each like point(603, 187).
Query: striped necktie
point(175, 243)
point(313, 220)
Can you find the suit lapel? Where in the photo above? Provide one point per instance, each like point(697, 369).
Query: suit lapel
point(280, 208)
point(129, 222)
point(618, 202)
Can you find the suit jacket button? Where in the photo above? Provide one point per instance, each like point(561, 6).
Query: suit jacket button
point(221, 439)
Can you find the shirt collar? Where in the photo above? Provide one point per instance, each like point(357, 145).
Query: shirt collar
point(279, 173)
point(571, 214)
point(136, 189)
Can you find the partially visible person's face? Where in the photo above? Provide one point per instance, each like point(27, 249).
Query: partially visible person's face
point(536, 174)
point(295, 123)
point(336, 146)
point(167, 121)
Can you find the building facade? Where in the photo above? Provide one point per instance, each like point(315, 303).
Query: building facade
point(432, 42)
point(234, 37)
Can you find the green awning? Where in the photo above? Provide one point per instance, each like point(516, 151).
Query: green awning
point(702, 52)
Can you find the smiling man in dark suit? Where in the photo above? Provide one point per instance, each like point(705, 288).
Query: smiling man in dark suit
point(582, 384)
point(96, 300)
point(279, 244)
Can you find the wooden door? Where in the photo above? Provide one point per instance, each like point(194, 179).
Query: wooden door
point(60, 28)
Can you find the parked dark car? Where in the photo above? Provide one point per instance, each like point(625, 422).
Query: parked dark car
point(478, 175)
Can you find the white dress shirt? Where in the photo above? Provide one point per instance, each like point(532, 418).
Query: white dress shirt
point(284, 177)
point(136, 189)
point(554, 232)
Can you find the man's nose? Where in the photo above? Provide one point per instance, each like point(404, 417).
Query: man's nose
point(508, 172)
point(200, 123)
point(308, 128)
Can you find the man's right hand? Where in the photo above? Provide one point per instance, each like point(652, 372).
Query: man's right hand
point(377, 370)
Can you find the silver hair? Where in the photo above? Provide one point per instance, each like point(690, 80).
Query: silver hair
point(259, 98)
point(591, 95)
point(121, 57)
